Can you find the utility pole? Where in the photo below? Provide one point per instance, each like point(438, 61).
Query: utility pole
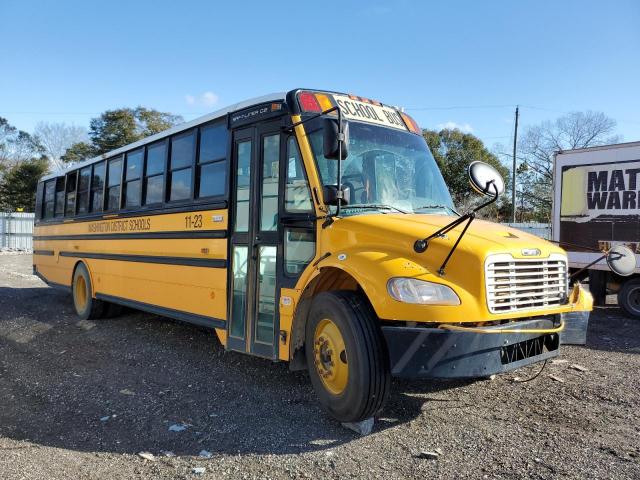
point(513, 179)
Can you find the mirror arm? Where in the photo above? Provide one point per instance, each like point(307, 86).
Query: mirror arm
point(289, 129)
point(495, 197)
point(421, 245)
point(441, 270)
point(586, 267)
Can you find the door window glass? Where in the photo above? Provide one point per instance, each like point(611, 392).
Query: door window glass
point(299, 250)
point(297, 197)
point(238, 301)
point(243, 185)
point(270, 164)
point(266, 294)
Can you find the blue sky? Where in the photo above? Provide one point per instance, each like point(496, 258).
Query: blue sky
point(468, 63)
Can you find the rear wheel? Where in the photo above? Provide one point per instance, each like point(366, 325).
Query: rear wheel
point(629, 297)
point(87, 307)
point(346, 356)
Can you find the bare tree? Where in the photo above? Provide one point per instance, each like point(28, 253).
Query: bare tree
point(16, 146)
point(540, 142)
point(56, 138)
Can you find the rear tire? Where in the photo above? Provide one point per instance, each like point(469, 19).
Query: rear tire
point(344, 319)
point(629, 297)
point(87, 307)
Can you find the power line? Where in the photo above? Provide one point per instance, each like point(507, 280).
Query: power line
point(460, 107)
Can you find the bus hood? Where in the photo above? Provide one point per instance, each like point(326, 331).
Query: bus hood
point(482, 238)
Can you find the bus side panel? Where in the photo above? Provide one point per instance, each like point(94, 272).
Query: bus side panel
point(199, 290)
point(53, 269)
point(186, 274)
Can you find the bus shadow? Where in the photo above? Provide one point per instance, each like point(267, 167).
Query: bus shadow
point(140, 382)
point(611, 330)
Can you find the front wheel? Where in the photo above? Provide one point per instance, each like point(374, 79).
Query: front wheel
point(346, 356)
point(629, 297)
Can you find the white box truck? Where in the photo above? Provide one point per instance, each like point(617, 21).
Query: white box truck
point(596, 205)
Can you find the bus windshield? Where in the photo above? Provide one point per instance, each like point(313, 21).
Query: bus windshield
point(387, 171)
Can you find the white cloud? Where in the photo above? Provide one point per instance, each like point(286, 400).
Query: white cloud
point(208, 99)
point(463, 127)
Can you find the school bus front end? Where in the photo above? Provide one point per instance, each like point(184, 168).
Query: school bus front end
point(500, 305)
point(474, 300)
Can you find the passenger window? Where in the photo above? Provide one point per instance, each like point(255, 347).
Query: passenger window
point(270, 167)
point(132, 181)
point(299, 250)
point(154, 174)
point(83, 190)
point(49, 198)
point(212, 167)
point(297, 197)
point(59, 209)
point(70, 205)
point(182, 155)
point(114, 178)
point(97, 188)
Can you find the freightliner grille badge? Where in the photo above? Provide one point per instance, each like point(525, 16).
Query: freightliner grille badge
point(530, 252)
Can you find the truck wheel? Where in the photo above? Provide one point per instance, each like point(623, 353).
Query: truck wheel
point(87, 307)
point(346, 356)
point(629, 297)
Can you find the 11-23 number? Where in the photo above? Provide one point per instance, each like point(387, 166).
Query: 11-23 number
point(193, 221)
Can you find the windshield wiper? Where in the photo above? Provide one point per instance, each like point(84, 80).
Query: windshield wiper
point(375, 206)
point(433, 206)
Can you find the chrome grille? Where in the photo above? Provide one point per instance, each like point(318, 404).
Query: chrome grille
point(522, 284)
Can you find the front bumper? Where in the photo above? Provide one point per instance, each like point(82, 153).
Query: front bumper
point(438, 353)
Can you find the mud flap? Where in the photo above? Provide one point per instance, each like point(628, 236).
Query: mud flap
point(575, 329)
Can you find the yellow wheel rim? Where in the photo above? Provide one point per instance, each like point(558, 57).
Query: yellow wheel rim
point(330, 356)
point(81, 293)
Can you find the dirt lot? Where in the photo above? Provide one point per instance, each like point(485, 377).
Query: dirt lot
point(81, 399)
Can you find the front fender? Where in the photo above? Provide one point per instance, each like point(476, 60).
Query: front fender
point(372, 270)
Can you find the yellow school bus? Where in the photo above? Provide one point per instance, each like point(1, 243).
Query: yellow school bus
point(311, 227)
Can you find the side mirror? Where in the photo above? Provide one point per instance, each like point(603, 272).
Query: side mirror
point(621, 260)
point(331, 193)
point(332, 140)
point(485, 179)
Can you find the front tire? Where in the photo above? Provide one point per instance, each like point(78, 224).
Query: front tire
point(87, 307)
point(347, 356)
point(629, 297)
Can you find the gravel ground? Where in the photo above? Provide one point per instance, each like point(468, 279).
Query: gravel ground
point(81, 399)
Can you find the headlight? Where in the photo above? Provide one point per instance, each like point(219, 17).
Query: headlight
point(412, 290)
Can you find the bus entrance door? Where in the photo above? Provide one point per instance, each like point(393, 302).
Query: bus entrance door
point(255, 253)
